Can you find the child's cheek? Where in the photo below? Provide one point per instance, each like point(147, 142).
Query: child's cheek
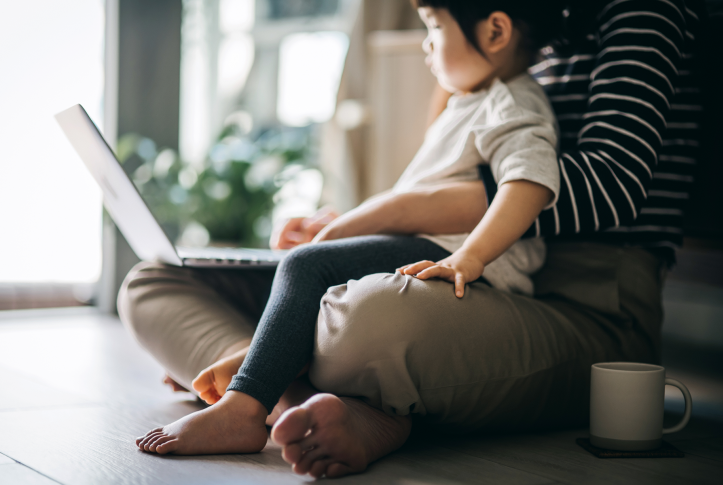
point(453, 65)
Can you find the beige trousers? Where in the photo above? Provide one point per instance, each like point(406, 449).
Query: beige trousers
point(489, 360)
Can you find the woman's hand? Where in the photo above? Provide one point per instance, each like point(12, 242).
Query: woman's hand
point(301, 230)
point(460, 268)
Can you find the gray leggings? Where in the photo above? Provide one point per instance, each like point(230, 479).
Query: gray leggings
point(284, 339)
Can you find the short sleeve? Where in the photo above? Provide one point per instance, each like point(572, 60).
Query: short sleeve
point(520, 145)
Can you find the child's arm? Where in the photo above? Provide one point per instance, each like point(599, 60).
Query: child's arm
point(443, 209)
point(513, 210)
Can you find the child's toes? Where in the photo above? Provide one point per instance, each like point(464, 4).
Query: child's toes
point(204, 381)
point(167, 447)
point(210, 396)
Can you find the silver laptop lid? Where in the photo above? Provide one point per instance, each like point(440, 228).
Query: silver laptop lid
point(120, 196)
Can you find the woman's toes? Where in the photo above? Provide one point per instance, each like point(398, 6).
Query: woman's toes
point(318, 469)
point(159, 440)
point(292, 426)
point(307, 461)
point(147, 444)
point(343, 429)
point(174, 385)
point(147, 438)
point(292, 453)
point(338, 470)
point(153, 431)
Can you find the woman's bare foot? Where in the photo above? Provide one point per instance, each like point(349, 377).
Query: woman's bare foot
point(174, 385)
point(335, 436)
point(234, 425)
point(211, 383)
point(297, 393)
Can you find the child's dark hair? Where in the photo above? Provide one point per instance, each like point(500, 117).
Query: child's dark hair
point(540, 21)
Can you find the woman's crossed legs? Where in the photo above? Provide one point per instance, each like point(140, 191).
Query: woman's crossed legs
point(407, 346)
point(282, 344)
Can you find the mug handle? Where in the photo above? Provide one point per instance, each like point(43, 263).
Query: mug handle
point(688, 405)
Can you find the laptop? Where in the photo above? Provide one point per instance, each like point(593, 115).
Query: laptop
point(132, 215)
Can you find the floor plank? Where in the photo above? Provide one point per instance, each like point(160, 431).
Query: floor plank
point(5, 460)
point(89, 356)
point(557, 457)
point(18, 474)
point(76, 390)
point(95, 445)
point(711, 448)
point(22, 391)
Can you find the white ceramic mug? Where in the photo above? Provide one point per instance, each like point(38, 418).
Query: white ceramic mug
point(626, 406)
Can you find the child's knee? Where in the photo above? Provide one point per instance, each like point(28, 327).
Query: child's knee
point(302, 259)
point(360, 324)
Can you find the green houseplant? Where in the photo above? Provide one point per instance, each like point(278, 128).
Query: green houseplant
point(227, 198)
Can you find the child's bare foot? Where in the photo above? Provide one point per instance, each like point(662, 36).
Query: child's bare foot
point(211, 383)
point(234, 425)
point(335, 436)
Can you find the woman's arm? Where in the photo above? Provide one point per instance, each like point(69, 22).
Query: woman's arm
point(606, 180)
point(444, 209)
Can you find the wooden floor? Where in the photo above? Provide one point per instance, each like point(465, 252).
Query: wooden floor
point(75, 390)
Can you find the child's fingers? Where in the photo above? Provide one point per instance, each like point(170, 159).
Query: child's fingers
point(459, 285)
point(404, 268)
point(416, 268)
point(431, 272)
point(437, 271)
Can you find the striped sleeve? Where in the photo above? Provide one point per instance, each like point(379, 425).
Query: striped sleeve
point(607, 178)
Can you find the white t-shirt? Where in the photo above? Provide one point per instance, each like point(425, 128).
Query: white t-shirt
point(512, 128)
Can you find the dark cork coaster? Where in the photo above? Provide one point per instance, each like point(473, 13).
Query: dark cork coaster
point(665, 451)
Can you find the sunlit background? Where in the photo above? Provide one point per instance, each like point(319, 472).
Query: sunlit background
point(257, 79)
point(275, 117)
point(50, 208)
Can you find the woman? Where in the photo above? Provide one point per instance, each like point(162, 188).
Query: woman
point(625, 96)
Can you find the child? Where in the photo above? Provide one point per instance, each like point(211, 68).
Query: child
point(507, 124)
point(480, 50)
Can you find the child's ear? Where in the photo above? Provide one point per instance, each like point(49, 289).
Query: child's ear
point(495, 32)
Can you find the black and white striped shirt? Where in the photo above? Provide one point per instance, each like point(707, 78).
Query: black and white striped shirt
point(628, 103)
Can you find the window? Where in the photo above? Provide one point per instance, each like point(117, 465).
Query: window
point(50, 208)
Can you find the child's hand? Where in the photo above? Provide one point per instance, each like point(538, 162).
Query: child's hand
point(460, 268)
